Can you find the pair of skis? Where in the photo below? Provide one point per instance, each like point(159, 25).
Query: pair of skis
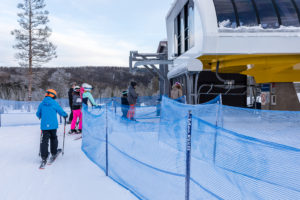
point(59, 151)
point(78, 138)
point(51, 161)
point(77, 133)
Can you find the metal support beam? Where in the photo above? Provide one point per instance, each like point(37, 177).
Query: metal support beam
point(150, 61)
point(195, 88)
point(189, 86)
point(162, 76)
point(147, 67)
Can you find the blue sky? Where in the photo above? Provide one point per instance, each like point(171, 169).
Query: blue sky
point(92, 32)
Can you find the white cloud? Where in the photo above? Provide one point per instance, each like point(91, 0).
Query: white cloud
point(83, 37)
point(78, 46)
point(8, 22)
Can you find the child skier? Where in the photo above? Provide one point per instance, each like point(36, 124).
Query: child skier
point(76, 109)
point(87, 97)
point(47, 112)
point(125, 104)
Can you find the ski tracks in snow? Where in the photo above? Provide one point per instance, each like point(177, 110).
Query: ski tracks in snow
point(71, 176)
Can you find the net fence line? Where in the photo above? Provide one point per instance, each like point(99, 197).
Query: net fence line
point(235, 153)
point(22, 113)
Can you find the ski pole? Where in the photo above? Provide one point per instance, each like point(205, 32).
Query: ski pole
point(41, 138)
point(63, 150)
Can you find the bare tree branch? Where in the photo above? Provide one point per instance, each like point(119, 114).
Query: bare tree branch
point(33, 46)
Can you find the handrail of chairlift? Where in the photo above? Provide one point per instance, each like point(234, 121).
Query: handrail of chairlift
point(231, 87)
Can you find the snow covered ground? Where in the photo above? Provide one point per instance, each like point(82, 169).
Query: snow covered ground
point(72, 176)
point(19, 119)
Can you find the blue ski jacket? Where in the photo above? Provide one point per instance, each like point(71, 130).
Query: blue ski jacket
point(47, 112)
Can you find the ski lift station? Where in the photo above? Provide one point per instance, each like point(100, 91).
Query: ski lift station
point(238, 48)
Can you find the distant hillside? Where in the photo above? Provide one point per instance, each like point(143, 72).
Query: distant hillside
point(107, 81)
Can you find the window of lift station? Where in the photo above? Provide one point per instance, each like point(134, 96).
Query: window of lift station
point(184, 29)
point(267, 13)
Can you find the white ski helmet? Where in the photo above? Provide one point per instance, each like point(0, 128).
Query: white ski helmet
point(87, 87)
point(76, 88)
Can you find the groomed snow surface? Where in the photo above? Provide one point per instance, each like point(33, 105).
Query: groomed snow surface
point(72, 176)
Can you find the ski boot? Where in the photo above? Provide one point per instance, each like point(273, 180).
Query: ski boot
point(79, 131)
point(72, 131)
point(53, 157)
point(43, 163)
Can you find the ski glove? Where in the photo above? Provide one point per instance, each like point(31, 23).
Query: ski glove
point(97, 107)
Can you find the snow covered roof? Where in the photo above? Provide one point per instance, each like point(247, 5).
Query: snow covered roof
point(259, 30)
point(193, 65)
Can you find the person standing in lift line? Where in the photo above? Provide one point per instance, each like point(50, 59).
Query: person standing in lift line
point(70, 95)
point(176, 92)
point(125, 104)
point(47, 113)
point(87, 97)
point(132, 99)
point(76, 109)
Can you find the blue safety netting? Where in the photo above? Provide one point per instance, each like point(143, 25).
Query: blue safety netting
point(141, 101)
point(10, 106)
point(236, 153)
point(22, 113)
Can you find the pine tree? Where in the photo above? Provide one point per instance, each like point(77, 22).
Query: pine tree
point(33, 46)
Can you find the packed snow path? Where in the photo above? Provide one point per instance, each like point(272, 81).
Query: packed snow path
point(72, 176)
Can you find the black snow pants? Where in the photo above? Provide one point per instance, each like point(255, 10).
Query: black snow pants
point(49, 134)
point(71, 115)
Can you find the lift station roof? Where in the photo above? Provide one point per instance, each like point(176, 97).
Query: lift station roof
point(260, 38)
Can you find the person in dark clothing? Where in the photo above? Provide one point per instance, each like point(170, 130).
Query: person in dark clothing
point(46, 136)
point(132, 99)
point(70, 95)
point(47, 112)
point(76, 108)
point(125, 104)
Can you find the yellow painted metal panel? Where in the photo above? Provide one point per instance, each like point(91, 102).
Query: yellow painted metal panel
point(263, 67)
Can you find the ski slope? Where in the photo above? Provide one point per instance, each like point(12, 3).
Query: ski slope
point(72, 176)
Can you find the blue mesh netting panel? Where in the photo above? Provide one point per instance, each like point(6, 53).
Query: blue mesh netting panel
point(8, 106)
point(134, 152)
point(236, 153)
point(143, 101)
point(94, 140)
point(22, 113)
